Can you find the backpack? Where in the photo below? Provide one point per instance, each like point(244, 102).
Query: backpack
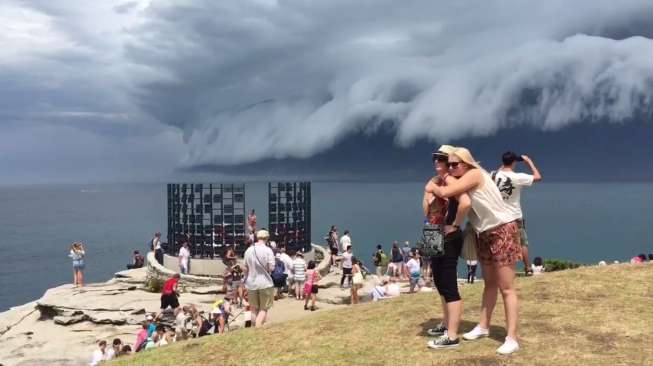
point(279, 269)
point(377, 259)
point(384, 259)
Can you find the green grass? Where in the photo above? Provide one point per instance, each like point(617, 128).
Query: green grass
point(585, 316)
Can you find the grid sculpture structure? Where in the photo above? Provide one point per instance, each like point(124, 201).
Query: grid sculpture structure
point(289, 211)
point(209, 216)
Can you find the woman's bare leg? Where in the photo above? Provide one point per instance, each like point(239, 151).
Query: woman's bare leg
point(506, 278)
point(490, 292)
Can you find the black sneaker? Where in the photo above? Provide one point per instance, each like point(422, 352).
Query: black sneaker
point(443, 342)
point(439, 330)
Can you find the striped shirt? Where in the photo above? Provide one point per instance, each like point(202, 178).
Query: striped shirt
point(299, 266)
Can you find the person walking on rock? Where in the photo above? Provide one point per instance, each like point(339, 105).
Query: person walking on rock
point(170, 293)
point(259, 263)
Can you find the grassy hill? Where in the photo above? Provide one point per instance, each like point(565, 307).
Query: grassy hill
point(586, 316)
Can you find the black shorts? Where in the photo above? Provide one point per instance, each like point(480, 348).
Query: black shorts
point(314, 289)
point(334, 251)
point(169, 300)
point(280, 282)
point(444, 269)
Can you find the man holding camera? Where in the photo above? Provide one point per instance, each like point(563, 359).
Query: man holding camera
point(510, 184)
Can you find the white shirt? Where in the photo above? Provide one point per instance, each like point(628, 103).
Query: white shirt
point(259, 259)
point(488, 209)
point(510, 184)
point(393, 290)
point(287, 263)
point(157, 243)
point(413, 265)
point(97, 357)
point(346, 260)
point(378, 293)
point(345, 241)
point(184, 254)
point(110, 355)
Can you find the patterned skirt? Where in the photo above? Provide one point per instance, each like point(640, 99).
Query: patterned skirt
point(501, 245)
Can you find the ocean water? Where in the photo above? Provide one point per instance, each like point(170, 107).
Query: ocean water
point(575, 221)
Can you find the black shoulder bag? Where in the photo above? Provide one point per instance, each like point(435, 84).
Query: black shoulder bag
point(433, 240)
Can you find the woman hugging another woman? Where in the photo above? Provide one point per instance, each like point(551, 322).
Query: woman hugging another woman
point(450, 213)
point(498, 244)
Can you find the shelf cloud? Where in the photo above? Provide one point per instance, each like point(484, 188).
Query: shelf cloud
point(243, 81)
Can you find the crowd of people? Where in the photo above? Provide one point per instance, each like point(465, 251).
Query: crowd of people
point(460, 191)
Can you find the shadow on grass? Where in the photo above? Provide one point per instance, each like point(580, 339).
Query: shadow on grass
point(497, 333)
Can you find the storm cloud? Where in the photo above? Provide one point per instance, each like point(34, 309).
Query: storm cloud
point(233, 82)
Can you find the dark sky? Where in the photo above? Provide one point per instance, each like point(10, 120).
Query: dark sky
point(142, 90)
point(579, 153)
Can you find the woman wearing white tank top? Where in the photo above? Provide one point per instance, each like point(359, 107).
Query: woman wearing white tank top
point(498, 242)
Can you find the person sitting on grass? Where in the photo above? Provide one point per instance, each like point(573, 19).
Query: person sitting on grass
point(538, 266)
point(141, 338)
point(182, 317)
point(379, 291)
point(114, 351)
point(221, 311)
point(310, 287)
point(99, 355)
point(393, 289)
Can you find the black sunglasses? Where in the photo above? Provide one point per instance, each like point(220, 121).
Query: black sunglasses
point(453, 165)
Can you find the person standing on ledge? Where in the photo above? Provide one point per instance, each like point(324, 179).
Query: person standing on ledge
point(77, 254)
point(345, 241)
point(251, 222)
point(259, 262)
point(510, 184)
point(184, 257)
point(156, 248)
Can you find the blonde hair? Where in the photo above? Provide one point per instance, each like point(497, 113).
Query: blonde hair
point(466, 157)
point(447, 149)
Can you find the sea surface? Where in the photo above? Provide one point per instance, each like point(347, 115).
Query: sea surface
point(575, 221)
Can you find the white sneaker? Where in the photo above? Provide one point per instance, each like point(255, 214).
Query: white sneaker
point(508, 347)
point(476, 333)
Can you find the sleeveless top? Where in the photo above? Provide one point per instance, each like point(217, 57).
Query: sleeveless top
point(438, 208)
point(488, 209)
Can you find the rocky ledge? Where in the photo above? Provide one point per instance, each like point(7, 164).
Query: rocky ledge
point(63, 326)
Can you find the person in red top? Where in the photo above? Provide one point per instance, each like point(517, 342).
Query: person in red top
point(170, 293)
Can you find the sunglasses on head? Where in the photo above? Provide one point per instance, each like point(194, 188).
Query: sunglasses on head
point(440, 158)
